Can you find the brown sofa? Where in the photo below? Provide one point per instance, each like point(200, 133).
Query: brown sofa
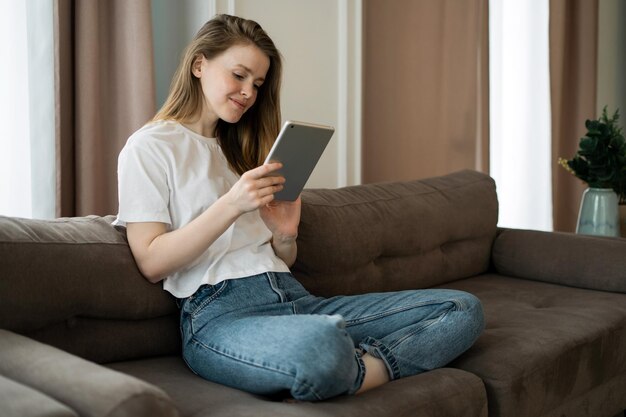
point(84, 333)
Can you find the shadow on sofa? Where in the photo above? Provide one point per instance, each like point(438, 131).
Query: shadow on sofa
point(84, 333)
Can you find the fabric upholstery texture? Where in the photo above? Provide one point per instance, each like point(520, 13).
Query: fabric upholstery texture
point(441, 393)
point(84, 291)
point(562, 258)
point(544, 344)
point(604, 400)
point(18, 400)
point(90, 389)
point(401, 235)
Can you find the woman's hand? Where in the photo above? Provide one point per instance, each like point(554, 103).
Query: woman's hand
point(255, 188)
point(159, 253)
point(282, 218)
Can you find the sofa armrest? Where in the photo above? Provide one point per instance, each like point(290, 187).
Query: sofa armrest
point(590, 262)
point(19, 400)
point(88, 388)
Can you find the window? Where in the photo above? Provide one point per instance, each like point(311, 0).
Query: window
point(27, 157)
point(520, 138)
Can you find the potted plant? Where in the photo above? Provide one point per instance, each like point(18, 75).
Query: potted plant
point(601, 163)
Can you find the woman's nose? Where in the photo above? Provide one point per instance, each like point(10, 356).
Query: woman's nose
point(247, 90)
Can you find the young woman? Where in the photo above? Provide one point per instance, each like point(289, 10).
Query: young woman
point(199, 210)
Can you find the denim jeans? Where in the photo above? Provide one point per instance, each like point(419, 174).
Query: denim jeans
point(266, 334)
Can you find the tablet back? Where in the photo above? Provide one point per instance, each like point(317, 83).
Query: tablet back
point(298, 147)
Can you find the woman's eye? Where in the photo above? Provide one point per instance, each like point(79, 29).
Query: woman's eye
point(238, 76)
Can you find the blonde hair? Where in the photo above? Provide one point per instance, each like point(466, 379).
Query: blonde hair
point(247, 142)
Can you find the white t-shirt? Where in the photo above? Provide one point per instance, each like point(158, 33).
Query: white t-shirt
point(169, 174)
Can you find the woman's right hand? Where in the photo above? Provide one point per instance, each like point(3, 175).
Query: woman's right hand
point(255, 188)
point(159, 253)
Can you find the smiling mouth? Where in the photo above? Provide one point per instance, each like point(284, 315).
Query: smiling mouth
point(239, 104)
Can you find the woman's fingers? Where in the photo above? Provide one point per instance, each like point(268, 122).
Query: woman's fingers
point(264, 170)
point(264, 185)
point(270, 181)
point(256, 187)
point(260, 177)
point(263, 192)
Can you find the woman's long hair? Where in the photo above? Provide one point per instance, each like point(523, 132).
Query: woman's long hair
point(247, 142)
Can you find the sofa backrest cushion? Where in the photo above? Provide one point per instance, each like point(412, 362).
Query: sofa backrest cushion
point(398, 235)
point(73, 283)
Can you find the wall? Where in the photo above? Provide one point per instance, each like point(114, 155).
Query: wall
point(320, 42)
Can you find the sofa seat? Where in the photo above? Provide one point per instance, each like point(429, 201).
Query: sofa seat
point(547, 345)
point(441, 393)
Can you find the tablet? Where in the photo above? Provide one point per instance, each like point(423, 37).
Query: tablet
point(298, 147)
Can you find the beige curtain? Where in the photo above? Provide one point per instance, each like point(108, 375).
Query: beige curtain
point(104, 91)
point(425, 109)
point(573, 58)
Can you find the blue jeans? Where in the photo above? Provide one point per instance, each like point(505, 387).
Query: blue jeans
point(266, 334)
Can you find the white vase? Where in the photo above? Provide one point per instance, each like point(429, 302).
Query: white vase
point(598, 213)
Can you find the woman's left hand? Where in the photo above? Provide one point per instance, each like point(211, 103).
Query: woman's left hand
point(282, 218)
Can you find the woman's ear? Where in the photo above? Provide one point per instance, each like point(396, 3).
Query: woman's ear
point(196, 67)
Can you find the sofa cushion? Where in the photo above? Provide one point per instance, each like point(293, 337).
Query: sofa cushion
point(395, 236)
point(73, 283)
point(440, 393)
point(545, 345)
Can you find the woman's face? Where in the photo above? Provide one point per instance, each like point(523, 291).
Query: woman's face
point(230, 82)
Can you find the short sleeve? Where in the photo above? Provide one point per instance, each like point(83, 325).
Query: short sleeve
point(142, 184)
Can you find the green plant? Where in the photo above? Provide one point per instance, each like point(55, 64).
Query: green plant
point(601, 157)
